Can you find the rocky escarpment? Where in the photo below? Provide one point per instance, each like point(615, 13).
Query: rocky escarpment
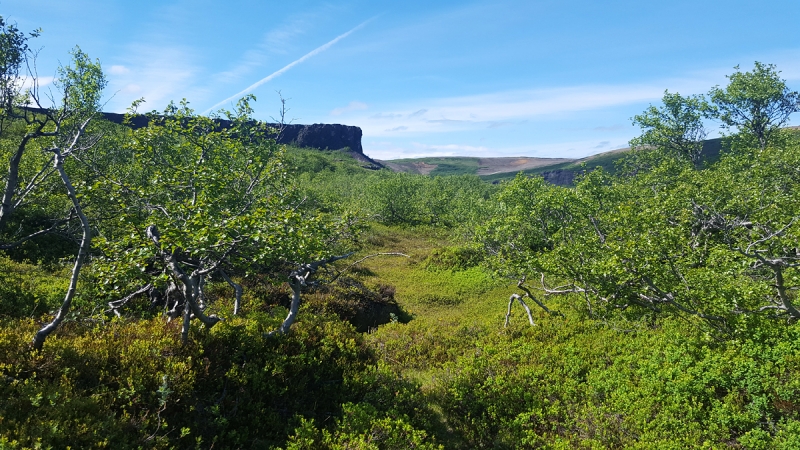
point(323, 136)
point(317, 136)
point(560, 177)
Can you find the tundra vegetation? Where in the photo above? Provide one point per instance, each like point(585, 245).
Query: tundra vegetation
point(189, 284)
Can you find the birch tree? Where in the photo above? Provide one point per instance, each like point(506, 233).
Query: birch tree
point(196, 200)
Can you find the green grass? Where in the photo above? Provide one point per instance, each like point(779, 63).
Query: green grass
point(304, 160)
point(444, 166)
point(432, 295)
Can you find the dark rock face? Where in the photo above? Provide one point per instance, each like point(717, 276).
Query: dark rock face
point(560, 177)
point(322, 136)
point(318, 136)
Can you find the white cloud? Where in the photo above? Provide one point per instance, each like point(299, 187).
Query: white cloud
point(352, 106)
point(131, 89)
point(509, 108)
point(26, 82)
point(156, 72)
point(118, 70)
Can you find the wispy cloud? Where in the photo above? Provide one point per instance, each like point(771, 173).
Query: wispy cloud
point(118, 70)
point(603, 144)
point(156, 73)
point(279, 40)
point(284, 69)
point(616, 127)
point(506, 108)
point(352, 106)
point(385, 116)
point(452, 149)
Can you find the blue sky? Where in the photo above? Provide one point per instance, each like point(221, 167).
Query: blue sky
point(446, 78)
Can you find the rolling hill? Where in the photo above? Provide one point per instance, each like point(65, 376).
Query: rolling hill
point(555, 170)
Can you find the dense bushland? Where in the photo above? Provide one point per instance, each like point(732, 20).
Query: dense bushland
point(663, 295)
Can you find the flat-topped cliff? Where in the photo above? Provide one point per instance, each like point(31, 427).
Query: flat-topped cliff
point(320, 136)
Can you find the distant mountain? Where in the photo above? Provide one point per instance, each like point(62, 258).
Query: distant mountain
point(458, 165)
point(561, 171)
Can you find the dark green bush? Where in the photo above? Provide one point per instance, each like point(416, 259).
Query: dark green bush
point(454, 258)
point(586, 386)
point(128, 384)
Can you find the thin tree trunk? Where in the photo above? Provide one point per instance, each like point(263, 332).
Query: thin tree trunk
point(785, 301)
point(298, 279)
point(12, 179)
point(190, 287)
point(187, 318)
point(42, 334)
point(115, 305)
point(528, 293)
point(12, 182)
point(296, 286)
point(237, 289)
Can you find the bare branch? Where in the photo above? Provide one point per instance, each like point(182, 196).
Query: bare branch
point(116, 304)
point(518, 298)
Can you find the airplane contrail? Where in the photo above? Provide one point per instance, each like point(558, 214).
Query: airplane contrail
point(281, 71)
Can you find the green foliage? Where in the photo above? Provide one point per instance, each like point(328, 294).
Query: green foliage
point(454, 258)
point(671, 275)
point(400, 198)
point(583, 386)
point(364, 305)
point(676, 127)
point(14, 52)
point(718, 243)
point(361, 426)
point(126, 384)
point(334, 182)
point(218, 197)
point(26, 290)
point(755, 103)
point(82, 83)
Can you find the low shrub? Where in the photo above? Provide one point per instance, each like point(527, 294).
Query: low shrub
point(128, 384)
point(27, 290)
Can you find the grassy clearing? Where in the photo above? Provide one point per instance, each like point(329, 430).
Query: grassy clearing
point(433, 295)
point(450, 311)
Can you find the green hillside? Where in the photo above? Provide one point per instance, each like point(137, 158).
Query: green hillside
point(440, 166)
point(453, 165)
